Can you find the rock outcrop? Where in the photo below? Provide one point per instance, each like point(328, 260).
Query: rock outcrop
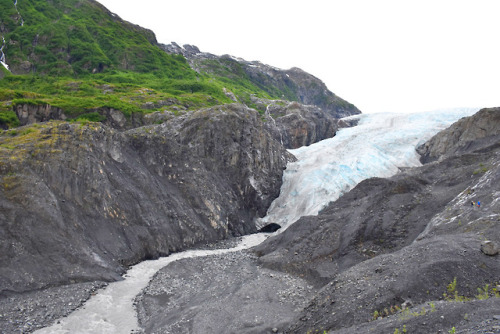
point(291, 123)
point(391, 241)
point(36, 113)
point(81, 202)
point(470, 133)
point(39, 113)
point(301, 125)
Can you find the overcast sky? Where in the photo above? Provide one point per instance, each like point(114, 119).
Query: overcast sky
point(384, 55)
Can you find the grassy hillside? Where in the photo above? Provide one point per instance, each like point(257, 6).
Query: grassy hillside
point(78, 56)
point(68, 37)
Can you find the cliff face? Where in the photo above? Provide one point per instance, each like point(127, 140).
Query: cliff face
point(291, 123)
point(35, 113)
point(80, 202)
point(300, 125)
point(29, 114)
point(402, 240)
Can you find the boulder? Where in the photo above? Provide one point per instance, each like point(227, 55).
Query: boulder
point(489, 248)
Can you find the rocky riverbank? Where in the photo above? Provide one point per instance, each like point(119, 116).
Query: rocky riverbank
point(227, 293)
point(26, 312)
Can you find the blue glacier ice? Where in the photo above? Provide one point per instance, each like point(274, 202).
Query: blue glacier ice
point(377, 147)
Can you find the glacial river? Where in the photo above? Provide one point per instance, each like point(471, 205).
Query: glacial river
point(377, 147)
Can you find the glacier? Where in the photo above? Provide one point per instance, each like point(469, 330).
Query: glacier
point(378, 146)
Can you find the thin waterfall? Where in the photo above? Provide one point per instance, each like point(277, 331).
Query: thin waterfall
point(2, 55)
point(15, 5)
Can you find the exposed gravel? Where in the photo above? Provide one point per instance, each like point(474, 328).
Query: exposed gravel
point(220, 294)
point(26, 312)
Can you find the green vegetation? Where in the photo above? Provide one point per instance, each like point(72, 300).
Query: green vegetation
point(232, 74)
point(452, 293)
point(397, 331)
point(68, 37)
point(8, 118)
point(124, 91)
point(487, 292)
point(481, 170)
point(77, 56)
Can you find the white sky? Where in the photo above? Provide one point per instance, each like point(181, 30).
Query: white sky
point(384, 55)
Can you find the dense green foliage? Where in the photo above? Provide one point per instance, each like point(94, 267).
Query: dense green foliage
point(74, 37)
point(78, 56)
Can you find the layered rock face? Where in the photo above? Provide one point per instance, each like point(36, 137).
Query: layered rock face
point(401, 241)
point(81, 202)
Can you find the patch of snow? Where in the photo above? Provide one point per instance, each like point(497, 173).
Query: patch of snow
point(255, 185)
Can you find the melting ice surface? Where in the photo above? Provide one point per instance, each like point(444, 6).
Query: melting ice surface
point(324, 171)
point(377, 147)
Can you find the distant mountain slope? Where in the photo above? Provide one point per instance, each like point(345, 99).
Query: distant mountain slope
point(293, 84)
